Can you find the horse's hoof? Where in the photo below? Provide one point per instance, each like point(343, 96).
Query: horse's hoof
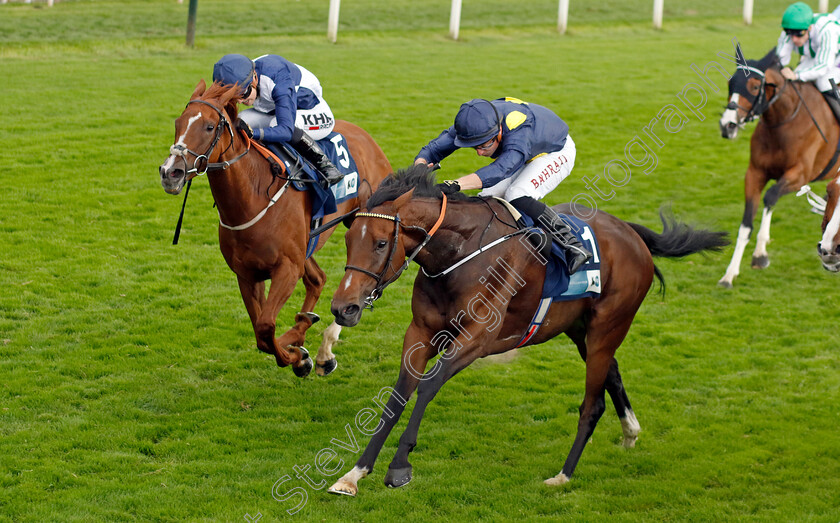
point(304, 354)
point(726, 284)
point(327, 368)
point(760, 262)
point(396, 478)
point(314, 318)
point(343, 488)
point(303, 370)
point(629, 441)
point(559, 479)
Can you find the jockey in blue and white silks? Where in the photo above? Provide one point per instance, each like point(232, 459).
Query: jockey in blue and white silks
point(532, 153)
point(288, 104)
point(817, 40)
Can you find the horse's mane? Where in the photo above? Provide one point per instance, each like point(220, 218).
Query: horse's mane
point(418, 177)
point(215, 92)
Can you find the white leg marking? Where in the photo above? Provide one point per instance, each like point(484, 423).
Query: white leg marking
point(763, 237)
point(559, 479)
point(348, 484)
point(735, 265)
point(827, 243)
point(329, 338)
point(631, 428)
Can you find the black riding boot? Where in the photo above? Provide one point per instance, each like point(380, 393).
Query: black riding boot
point(309, 149)
point(834, 103)
point(576, 254)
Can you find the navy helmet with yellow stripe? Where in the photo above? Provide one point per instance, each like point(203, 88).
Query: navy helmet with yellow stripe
point(477, 122)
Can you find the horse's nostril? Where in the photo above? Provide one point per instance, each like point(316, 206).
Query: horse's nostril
point(350, 310)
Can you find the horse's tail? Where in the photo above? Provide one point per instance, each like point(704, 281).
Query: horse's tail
point(678, 239)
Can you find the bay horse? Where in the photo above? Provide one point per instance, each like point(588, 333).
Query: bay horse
point(258, 239)
point(786, 145)
point(478, 289)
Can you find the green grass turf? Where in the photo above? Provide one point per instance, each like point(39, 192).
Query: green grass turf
point(130, 385)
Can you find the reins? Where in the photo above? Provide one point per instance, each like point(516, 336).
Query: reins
point(376, 293)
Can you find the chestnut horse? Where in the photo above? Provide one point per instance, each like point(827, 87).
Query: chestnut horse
point(786, 145)
point(258, 239)
point(483, 292)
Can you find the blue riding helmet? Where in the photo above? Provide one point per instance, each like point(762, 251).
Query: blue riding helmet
point(234, 69)
point(477, 122)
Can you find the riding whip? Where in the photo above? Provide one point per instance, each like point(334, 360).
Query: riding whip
point(181, 217)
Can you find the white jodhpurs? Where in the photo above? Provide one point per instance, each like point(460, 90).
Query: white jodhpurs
point(538, 177)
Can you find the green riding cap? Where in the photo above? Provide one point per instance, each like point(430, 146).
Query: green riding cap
point(798, 17)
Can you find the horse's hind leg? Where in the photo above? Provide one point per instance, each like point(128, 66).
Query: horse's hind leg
point(313, 282)
point(629, 424)
point(603, 338)
point(325, 361)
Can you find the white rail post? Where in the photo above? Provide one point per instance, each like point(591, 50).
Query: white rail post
point(657, 13)
point(563, 17)
point(748, 12)
point(823, 6)
point(455, 19)
point(332, 23)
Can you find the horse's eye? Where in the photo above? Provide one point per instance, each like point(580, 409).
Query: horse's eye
point(210, 126)
point(381, 244)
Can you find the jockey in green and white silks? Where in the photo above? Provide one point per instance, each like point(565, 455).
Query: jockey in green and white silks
point(532, 153)
point(817, 40)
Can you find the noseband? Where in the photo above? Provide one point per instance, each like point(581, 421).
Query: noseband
point(381, 283)
point(180, 150)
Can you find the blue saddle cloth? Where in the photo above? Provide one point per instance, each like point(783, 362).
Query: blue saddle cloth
point(324, 201)
point(586, 282)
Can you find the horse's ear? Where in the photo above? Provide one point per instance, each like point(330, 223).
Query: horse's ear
point(402, 200)
point(229, 98)
point(199, 89)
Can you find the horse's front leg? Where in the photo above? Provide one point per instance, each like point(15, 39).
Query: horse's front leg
point(416, 353)
point(754, 182)
point(282, 284)
point(253, 295)
point(453, 360)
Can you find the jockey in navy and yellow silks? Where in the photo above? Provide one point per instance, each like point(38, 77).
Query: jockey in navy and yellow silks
point(288, 105)
point(532, 153)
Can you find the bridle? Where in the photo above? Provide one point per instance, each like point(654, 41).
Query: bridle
point(181, 150)
point(381, 282)
point(760, 103)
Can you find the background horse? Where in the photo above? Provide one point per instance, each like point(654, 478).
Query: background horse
point(274, 246)
point(484, 306)
point(785, 146)
point(829, 246)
